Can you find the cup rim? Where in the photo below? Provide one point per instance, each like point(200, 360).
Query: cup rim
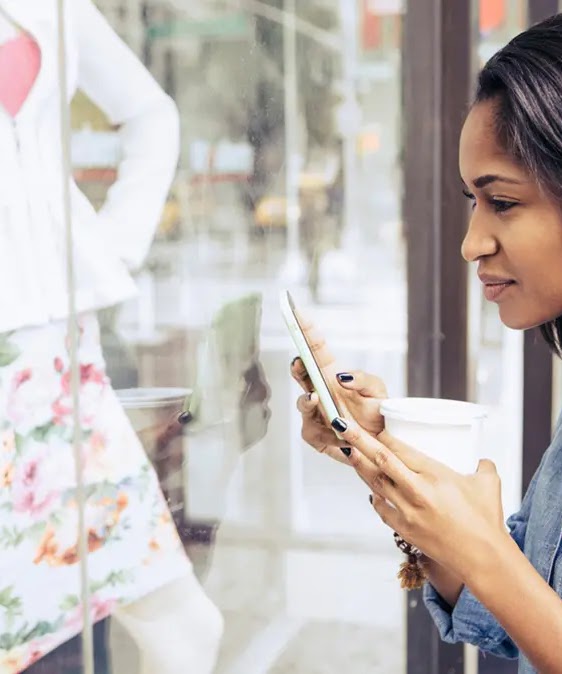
point(145, 397)
point(445, 412)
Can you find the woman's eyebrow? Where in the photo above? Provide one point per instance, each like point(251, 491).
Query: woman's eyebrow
point(490, 178)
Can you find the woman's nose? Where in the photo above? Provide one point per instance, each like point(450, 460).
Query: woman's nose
point(479, 240)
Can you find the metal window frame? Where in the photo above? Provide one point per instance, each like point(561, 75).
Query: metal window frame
point(436, 92)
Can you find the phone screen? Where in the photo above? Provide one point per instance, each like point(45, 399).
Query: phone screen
point(295, 314)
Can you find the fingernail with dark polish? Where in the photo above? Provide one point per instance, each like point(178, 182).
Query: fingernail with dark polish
point(184, 417)
point(309, 395)
point(346, 451)
point(294, 360)
point(371, 499)
point(339, 425)
point(345, 377)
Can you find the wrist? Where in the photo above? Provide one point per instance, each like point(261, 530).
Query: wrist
point(489, 558)
point(446, 582)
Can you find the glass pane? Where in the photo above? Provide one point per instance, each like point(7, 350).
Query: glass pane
point(288, 176)
point(221, 151)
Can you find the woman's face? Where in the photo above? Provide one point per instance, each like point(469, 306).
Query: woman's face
point(515, 231)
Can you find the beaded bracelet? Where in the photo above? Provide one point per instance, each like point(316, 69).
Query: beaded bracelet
point(412, 574)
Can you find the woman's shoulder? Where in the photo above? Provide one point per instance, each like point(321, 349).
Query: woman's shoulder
point(555, 448)
point(558, 423)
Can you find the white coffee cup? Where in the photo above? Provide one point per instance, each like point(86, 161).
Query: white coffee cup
point(449, 431)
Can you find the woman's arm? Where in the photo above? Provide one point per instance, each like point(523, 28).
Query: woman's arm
point(117, 82)
point(446, 583)
point(459, 615)
point(525, 605)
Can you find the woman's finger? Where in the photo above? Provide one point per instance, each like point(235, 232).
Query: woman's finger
point(323, 441)
point(383, 486)
point(367, 385)
point(334, 452)
point(320, 437)
point(300, 375)
point(389, 515)
point(315, 432)
point(376, 480)
point(487, 467)
point(307, 405)
point(363, 446)
point(413, 458)
point(367, 470)
point(322, 354)
point(369, 450)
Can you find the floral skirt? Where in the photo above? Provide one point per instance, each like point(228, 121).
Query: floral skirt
point(133, 544)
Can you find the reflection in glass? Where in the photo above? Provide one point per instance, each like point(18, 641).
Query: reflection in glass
point(271, 189)
point(135, 560)
point(288, 175)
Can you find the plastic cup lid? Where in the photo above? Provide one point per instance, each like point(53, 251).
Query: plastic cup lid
point(433, 411)
point(140, 398)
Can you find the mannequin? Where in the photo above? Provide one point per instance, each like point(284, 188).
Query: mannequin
point(138, 570)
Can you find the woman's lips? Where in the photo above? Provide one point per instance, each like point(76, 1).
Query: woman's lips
point(493, 291)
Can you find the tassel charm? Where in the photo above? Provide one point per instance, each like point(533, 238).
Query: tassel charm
point(412, 574)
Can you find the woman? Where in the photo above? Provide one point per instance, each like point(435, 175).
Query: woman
point(137, 568)
point(499, 590)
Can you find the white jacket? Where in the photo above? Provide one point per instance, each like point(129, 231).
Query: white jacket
point(33, 285)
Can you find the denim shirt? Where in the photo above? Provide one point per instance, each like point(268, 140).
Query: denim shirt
point(537, 530)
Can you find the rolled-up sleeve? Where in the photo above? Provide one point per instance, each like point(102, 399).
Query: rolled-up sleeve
point(469, 621)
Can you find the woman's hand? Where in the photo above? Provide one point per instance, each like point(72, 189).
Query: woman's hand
point(454, 519)
point(357, 395)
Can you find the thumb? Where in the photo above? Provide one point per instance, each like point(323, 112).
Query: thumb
point(367, 385)
point(486, 467)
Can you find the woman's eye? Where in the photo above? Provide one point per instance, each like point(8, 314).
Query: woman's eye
point(470, 197)
point(501, 205)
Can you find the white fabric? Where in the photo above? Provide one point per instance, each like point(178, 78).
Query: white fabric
point(176, 628)
point(7, 29)
point(106, 245)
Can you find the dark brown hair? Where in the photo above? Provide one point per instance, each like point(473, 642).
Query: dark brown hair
point(525, 78)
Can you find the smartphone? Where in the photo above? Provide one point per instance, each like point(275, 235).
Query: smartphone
point(305, 352)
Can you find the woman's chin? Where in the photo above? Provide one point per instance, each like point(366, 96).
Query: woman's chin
point(516, 325)
point(518, 320)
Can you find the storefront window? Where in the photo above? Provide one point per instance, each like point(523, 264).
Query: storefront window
point(289, 176)
point(219, 152)
point(285, 174)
